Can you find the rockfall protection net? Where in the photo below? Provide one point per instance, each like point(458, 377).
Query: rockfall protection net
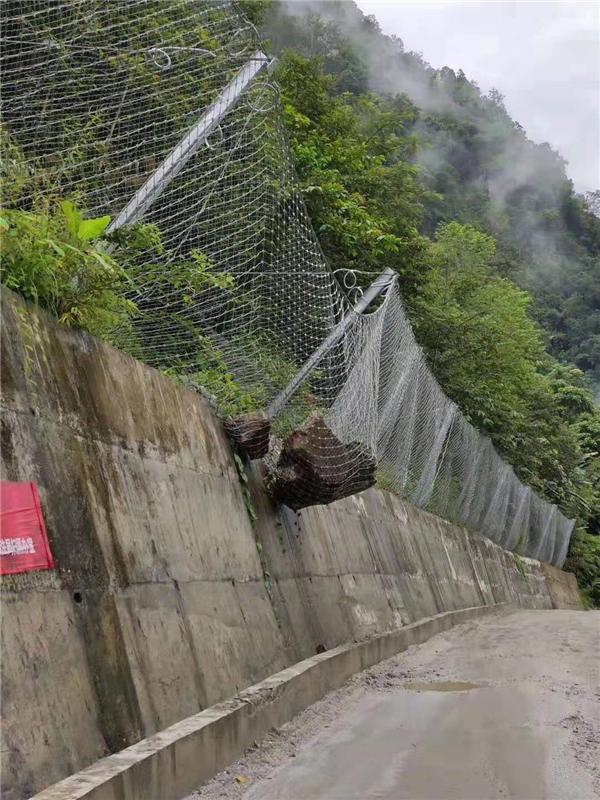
point(163, 115)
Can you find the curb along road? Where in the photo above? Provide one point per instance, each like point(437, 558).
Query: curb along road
point(172, 763)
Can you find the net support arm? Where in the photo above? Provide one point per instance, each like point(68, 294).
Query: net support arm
point(379, 285)
point(162, 176)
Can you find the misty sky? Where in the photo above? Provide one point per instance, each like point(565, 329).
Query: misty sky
point(543, 56)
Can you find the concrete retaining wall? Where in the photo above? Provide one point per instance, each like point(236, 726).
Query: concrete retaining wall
point(166, 598)
point(372, 562)
point(562, 587)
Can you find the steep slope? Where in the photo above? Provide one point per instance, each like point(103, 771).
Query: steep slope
point(478, 164)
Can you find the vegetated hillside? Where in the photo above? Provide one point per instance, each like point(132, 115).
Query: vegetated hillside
point(410, 167)
point(477, 163)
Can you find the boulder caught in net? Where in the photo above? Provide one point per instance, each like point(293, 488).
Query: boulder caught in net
point(315, 468)
point(250, 434)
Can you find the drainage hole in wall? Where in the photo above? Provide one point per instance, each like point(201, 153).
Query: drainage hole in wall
point(78, 597)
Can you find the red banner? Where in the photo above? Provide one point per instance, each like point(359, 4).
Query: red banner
point(24, 543)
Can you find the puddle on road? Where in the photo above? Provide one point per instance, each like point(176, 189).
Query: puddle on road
point(441, 686)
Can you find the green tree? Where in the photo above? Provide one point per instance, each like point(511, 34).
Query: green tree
point(362, 193)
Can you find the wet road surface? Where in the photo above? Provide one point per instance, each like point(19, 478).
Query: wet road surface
point(504, 707)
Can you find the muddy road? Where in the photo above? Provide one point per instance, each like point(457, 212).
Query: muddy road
point(505, 707)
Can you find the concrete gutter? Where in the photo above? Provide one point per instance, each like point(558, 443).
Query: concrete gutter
point(172, 763)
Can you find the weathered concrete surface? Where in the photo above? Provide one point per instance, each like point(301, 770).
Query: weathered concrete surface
point(162, 604)
point(502, 708)
point(169, 764)
point(562, 587)
point(372, 562)
point(158, 607)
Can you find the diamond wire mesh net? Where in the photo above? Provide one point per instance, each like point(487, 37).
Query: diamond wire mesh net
point(425, 448)
point(226, 275)
point(227, 285)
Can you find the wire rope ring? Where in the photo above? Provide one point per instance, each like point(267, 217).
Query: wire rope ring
point(207, 143)
point(265, 90)
point(254, 38)
point(156, 53)
point(162, 59)
point(348, 280)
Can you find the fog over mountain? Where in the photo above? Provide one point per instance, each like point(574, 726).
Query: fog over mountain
point(544, 57)
point(481, 165)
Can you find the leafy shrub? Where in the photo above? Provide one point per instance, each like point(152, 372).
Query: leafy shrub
point(584, 561)
point(55, 260)
point(211, 376)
